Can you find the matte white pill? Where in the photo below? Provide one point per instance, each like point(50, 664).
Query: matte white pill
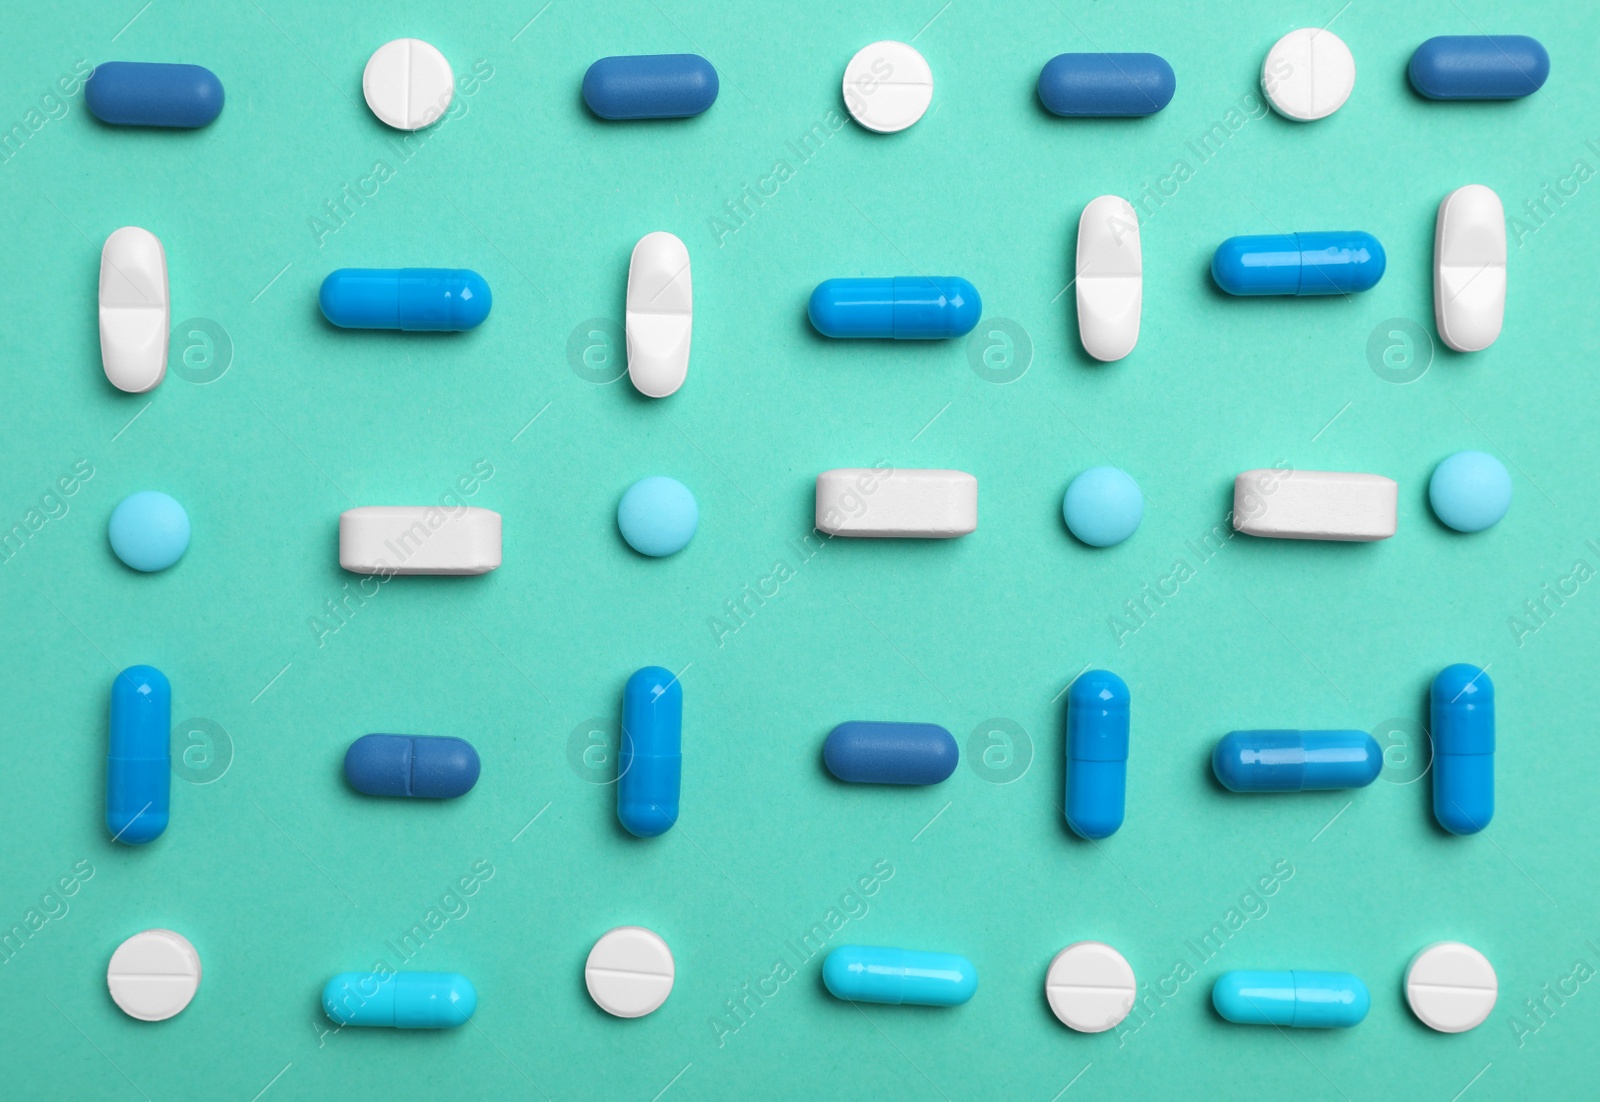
point(154, 975)
point(419, 539)
point(1314, 505)
point(660, 314)
point(1451, 987)
point(1110, 278)
point(629, 972)
point(1090, 987)
point(1308, 74)
point(885, 503)
point(887, 86)
point(1469, 268)
point(135, 313)
point(408, 83)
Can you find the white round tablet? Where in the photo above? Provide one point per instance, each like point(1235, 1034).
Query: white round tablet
point(153, 975)
point(1090, 987)
point(1451, 987)
point(408, 84)
point(629, 972)
point(1308, 74)
point(887, 86)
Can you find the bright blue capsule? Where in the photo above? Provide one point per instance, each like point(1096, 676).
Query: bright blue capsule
point(650, 759)
point(413, 299)
point(650, 86)
point(1296, 761)
point(902, 307)
point(139, 761)
point(869, 974)
point(1103, 85)
point(1097, 753)
point(1303, 1000)
point(1462, 706)
point(1479, 66)
point(436, 767)
point(140, 93)
point(890, 753)
point(400, 1000)
point(1324, 263)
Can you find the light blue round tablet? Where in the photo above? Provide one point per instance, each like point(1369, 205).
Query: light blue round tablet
point(149, 531)
point(1103, 506)
point(1470, 491)
point(658, 516)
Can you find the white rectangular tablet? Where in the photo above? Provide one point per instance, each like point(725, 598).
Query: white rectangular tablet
point(1314, 505)
point(1469, 268)
point(884, 503)
point(419, 539)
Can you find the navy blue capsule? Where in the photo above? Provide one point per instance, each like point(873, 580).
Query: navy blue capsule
point(1296, 761)
point(1323, 263)
point(901, 307)
point(650, 86)
point(436, 767)
point(1106, 85)
point(890, 753)
point(139, 761)
point(140, 93)
point(1097, 753)
point(413, 299)
point(1479, 66)
point(1462, 705)
point(650, 759)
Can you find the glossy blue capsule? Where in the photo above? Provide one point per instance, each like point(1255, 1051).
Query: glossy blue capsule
point(890, 753)
point(436, 767)
point(902, 307)
point(1106, 85)
point(650, 761)
point(1324, 263)
point(869, 974)
point(400, 1000)
point(139, 761)
point(650, 86)
point(1296, 761)
point(1097, 753)
point(1462, 705)
point(140, 93)
point(1479, 66)
point(413, 299)
point(1303, 1000)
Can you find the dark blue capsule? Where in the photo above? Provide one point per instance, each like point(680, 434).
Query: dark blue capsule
point(890, 753)
point(1479, 66)
point(436, 767)
point(1296, 761)
point(650, 86)
point(1106, 85)
point(1462, 705)
point(138, 760)
point(1097, 753)
point(139, 93)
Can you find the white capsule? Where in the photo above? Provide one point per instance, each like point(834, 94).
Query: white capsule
point(1314, 505)
point(660, 315)
point(1469, 268)
point(135, 312)
point(1451, 987)
point(1110, 278)
point(1308, 74)
point(885, 503)
point(419, 539)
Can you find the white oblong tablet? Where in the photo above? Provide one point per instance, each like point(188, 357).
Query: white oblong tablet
point(419, 539)
point(660, 314)
point(1315, 505)
point(1110, 278)
point(408, 84)
point(1451, 987)
point(629, 972)
point(154, 975)
point(883, 503)
point(135, 311)
point(1090, 987)
point(1308, 74)
point(1469, 268)
point(887, 86)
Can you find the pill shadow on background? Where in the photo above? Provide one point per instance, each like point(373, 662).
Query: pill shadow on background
point(1423, 785)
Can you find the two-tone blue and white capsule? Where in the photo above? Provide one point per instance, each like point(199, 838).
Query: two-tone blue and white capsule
point(1296, 761)
point(1461, 701)
point(1324, 263)
point(650, 759)
point(400, 1000)
point(874, 974)
point(413, 299)
point(1301, 1000)
point(1097, 753)
point(900, 308)
point(139, 759)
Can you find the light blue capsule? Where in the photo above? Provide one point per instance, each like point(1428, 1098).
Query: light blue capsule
point(870, 974)
point(139, 759)
point(901, 307)
point(400, 1000)
point(1296, 761)
point(412, 299)
point(1097, 753)
point(650, 759)
point(1301, 1000)
point(1462, 705)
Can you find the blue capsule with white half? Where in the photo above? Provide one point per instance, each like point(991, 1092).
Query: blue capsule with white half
point(400, 1000)
point(874, 974)
point(1106, 85)
point(1300, 1000)
point(1296, 761)
point(1461, 701)
point(1336, 262)
point(1097, 753)
point(139, 758)
point(900, 308)
point(417, 300)
point(650, 759)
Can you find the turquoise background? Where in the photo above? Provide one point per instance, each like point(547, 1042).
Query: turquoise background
point(282, 876)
